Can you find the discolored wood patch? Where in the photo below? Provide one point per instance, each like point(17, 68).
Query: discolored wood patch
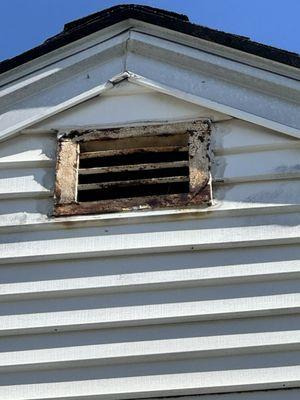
point(148, 167)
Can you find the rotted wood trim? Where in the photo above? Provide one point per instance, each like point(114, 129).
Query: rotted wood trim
point(199, 157)
point(66, 187)
point(66, 172)
point(136, 203)
point(134, 167)
point(85, 135)
point(108, 153)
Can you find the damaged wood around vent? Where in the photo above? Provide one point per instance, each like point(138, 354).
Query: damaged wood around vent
point(145, 167)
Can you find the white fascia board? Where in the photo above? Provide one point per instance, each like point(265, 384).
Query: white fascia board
point(133, 25)
point(220, 66)
point(54, 72)
point(53, 88)
point(63, 54)
point(157, 86)
point(217, 49)
point(244, 92)
point(204, 102)
point(69, 86)
point(56, 109)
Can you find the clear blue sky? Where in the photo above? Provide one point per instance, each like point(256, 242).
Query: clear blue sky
point(26, 23)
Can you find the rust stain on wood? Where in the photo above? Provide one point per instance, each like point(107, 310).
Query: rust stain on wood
point(136, 203)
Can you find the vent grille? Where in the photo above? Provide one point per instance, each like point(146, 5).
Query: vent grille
point(130, 168)
point(133, 167)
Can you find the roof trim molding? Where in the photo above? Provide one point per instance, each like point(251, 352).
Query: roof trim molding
point(144, 82)
point(96, 91)
point(215, 48)
point(134, 25)
point(208, 62)
point(203, 102)
point(202, 78)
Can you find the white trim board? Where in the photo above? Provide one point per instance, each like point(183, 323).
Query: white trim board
point(254, 95)
point(147, 83)
point(139, 80)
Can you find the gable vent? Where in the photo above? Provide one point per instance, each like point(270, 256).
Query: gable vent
point(158, 165)
point(133, 168)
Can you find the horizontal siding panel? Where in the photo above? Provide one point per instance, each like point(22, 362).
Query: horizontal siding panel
point(150, 350)
point(256, 195)
point(26, 182)
point(234, 199)
point(26, 149)
point(156, 303)
point(23, 212)
point(263, 165)
point(142, 333)
point(290, 144)
point(236, 135)
point(160, 263)
point(152, 296)
point(151, 280)
point(159, 237)
point(149, 314)
point(158, 385)
point(154, 350)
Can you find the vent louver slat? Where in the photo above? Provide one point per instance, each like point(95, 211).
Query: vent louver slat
point(107, 153)
point(134, 171)
point(133, 168)
point(137, 167)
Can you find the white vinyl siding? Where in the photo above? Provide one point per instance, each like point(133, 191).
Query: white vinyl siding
point(157, 303)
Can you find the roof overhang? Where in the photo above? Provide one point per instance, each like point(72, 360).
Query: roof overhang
point(174, 22)
point(232, 82)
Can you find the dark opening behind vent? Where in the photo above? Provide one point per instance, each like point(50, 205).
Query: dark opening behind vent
point(133, 167)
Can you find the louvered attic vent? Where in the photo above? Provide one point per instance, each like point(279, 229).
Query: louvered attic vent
point(133, 168)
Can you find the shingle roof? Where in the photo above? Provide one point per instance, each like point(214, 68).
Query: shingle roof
point(95, 22)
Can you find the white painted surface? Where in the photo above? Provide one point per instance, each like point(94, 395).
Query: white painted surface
point(152, 350)
point(28, 150)
point(252, 94)
point(152, 107)
point(26, 182)
point(166, 384)
point(157, 303)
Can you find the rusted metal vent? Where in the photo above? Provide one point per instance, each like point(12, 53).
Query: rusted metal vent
point(133, 168)
point(158, 165)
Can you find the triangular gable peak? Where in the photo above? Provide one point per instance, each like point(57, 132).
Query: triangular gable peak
point(206, 73)
point(128, 104)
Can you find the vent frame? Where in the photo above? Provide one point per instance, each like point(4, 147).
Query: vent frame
point(67, 168)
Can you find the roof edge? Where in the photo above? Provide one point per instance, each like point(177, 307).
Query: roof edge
point(85, 26)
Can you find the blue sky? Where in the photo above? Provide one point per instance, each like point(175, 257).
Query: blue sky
point(27, 23)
